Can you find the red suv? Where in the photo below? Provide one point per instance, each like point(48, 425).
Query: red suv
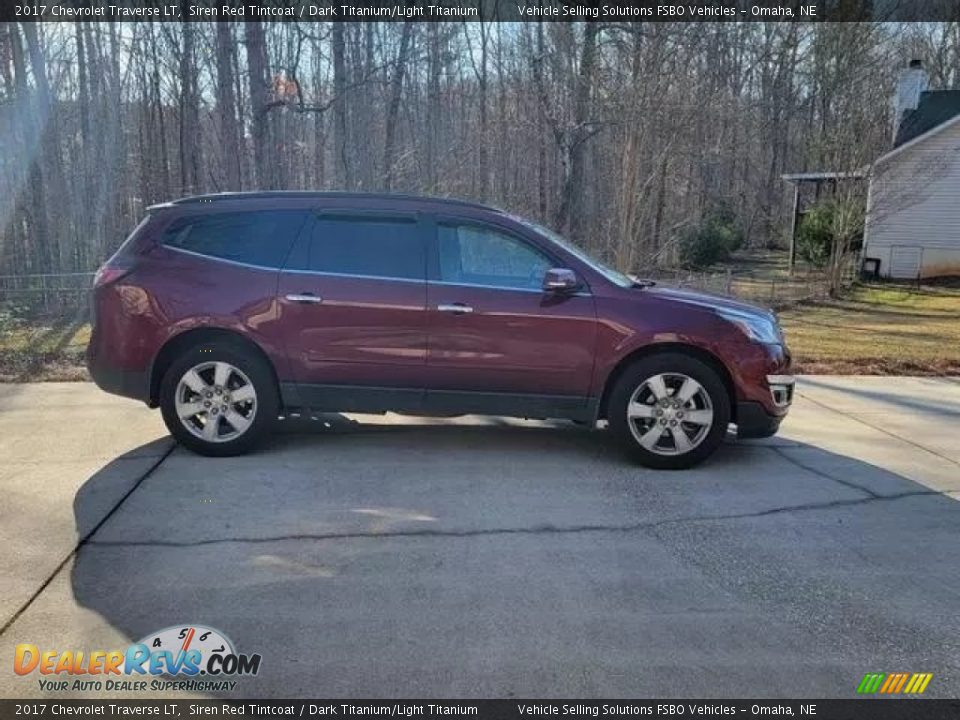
point(229, 310)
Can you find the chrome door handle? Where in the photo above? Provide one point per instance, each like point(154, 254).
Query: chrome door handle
point(457, 308)
point(304, 298)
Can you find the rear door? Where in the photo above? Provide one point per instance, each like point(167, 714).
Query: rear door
point(353, 302)
point(494, 331)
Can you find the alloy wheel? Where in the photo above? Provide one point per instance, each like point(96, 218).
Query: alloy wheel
point(216, 401)
point(670, 414)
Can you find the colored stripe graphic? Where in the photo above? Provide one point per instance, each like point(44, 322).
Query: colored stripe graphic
point(903, 681)
point(871, 682)
point(889, 683)
point(918, 683)
point(894, 683)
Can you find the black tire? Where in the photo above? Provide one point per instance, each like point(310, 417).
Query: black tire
point(669, 364)
point(256, 369)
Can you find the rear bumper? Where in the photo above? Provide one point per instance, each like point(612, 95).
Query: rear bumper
point(127, 383)
point(106, 356)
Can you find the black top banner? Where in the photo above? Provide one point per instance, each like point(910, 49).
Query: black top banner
point(874, 709)
point(482, 10)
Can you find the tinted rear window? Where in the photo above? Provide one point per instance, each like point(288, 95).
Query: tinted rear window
point(256, 238)
point(375, 247)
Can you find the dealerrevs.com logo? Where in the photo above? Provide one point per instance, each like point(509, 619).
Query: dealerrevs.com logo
point(197, 658)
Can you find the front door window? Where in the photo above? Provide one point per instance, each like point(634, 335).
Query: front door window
point(471, 255)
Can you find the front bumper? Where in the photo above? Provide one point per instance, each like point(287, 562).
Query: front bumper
point(753, 421)
point(753, 418)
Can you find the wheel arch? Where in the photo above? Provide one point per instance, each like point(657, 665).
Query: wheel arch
point(694, 351)
point(180, 342)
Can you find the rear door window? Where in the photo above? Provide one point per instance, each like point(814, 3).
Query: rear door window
point(365, 246)
point(262, 238)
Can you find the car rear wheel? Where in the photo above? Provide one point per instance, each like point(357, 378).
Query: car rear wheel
point(218, 399)
point(670, 411)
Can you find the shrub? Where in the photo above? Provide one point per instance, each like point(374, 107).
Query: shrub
point(717, 236)
point(821, 224)
point(815, 234)
point(13, 315)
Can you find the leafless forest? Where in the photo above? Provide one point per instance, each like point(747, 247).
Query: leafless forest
point(623, 136)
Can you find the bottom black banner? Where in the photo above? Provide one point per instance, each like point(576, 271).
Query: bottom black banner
point(875, 709)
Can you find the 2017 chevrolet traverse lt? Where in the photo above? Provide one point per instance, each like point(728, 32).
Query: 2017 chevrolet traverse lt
point(229, 310)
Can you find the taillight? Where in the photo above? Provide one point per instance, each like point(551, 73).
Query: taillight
point(111, 271)
point(123, 260)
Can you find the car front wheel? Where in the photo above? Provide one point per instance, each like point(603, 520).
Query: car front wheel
point(218, 399)
point(670, 411)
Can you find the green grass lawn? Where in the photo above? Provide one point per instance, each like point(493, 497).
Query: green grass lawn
point(878, 329)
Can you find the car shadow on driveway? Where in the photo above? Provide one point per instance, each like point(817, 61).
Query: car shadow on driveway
point(443, 559)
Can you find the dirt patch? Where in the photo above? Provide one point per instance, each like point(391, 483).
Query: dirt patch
point(42, 367)
point(38, 346)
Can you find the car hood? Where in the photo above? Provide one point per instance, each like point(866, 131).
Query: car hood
point(707, 300)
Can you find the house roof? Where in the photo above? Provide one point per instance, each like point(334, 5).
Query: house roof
point(934, 109)
point(829, 175)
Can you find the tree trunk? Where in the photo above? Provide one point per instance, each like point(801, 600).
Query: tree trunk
point(227, 107)
point(191, 149)
point(116, 181)
point(32, 198)
point(483, 161)
point(164, 164)
point(433, 106)
point(393, 105)
point(257, 64)
point(365, 121)
point(47, 254)
point(569, 214)
point(343, 168)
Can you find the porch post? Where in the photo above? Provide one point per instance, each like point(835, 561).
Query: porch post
point(794, 226)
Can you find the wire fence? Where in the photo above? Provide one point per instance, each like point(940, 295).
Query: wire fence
point(775, 292)
point(50, 293)
point(44, 326)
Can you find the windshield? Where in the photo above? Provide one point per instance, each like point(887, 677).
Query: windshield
point(614, 276)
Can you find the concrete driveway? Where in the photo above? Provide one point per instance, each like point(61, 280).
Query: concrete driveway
point(389, 556)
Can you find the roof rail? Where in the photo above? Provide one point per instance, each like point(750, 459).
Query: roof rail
point(263, 194)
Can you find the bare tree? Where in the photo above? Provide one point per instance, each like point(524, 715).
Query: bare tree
point(393, 105)
point(342, 164)
point(227, 106)
point(625, 135)
point(258, 84)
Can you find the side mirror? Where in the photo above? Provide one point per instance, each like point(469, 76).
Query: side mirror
point(560, 280)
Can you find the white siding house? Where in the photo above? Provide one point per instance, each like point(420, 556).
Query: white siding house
point(913, 206)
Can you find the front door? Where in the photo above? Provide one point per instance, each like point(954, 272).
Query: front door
point(353, 302)
point(496, 338)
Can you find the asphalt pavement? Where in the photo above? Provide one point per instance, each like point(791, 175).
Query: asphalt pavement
point(386, 556)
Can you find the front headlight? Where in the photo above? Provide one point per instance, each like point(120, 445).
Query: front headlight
point(762, 328)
